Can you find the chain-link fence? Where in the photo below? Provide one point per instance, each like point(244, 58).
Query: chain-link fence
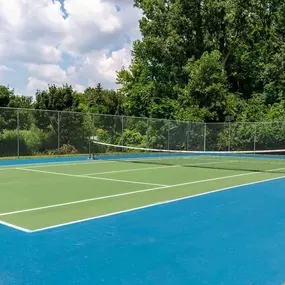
point(26, 132)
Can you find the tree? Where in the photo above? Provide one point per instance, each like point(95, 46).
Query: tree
point(67, 127)
point(247, 35)
point(207, 87)
point(9, 117)
point(102, 101)
point(57, 98)
point(5, 95)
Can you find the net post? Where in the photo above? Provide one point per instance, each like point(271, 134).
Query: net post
point(58, 133)
point(18, 133)
point(205, 136)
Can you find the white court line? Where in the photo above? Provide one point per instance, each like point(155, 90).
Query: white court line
point(15, 227)
point(59, 163)
point(10, 182)
point(53, 164)
point(128, 170)
point(212, 162)
point(125, 194)
point(89, 177)
point(155, 204)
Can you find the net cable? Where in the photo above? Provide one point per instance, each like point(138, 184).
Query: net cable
point(255, 161)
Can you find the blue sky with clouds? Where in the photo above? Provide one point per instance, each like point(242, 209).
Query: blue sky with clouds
point(80, 42)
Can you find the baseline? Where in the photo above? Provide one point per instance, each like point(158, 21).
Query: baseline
point(15, 227)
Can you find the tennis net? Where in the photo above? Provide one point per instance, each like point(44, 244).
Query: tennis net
point(259, 161)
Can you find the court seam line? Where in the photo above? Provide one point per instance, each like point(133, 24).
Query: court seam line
point(89, 177)
point(155, 204)
point(123, 194)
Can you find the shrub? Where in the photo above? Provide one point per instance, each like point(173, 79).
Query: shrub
point(68, 149)
point(131, 138)
point(30, 142)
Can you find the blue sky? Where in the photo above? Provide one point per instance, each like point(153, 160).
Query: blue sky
point(80, 42)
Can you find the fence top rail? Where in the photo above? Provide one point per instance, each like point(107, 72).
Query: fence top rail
point(97, 114)
point(142, 118)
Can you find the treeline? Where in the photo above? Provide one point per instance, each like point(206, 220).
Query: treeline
point(34, 125)
point(65, 98)
point(198, 61)
point(61, 121)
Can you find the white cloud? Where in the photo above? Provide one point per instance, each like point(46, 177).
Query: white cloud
point(101, 66)
point(108, 66)
point(98, 13)
point(48, 72)
point(78, 42)
point(79, 88)
point(4, 71)
point(30, 30)
point(5, 68)
point(35, 84)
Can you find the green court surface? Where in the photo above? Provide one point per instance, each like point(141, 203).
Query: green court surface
point(36, 197)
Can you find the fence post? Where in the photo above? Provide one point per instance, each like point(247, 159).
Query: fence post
point(122, 119)
point(147, 132)
point(168, 135)
point(18, 133)
point(187, 135)
point(58, 132)
point(229, 146)
point(205, 136)
point(254, 139)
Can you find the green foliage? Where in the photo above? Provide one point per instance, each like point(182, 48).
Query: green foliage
point(213, 57)
point(198, 61)
point(132, 138)
point(56, 98)
point(100, 101)
point(103, 136)
point(5, 95)
point(30, 142)
point(207, 87)
point(33, 139)
point(9, 141)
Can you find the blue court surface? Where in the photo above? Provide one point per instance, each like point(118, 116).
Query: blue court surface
point(233, 237)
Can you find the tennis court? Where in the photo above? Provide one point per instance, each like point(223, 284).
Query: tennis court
point(150, 219)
